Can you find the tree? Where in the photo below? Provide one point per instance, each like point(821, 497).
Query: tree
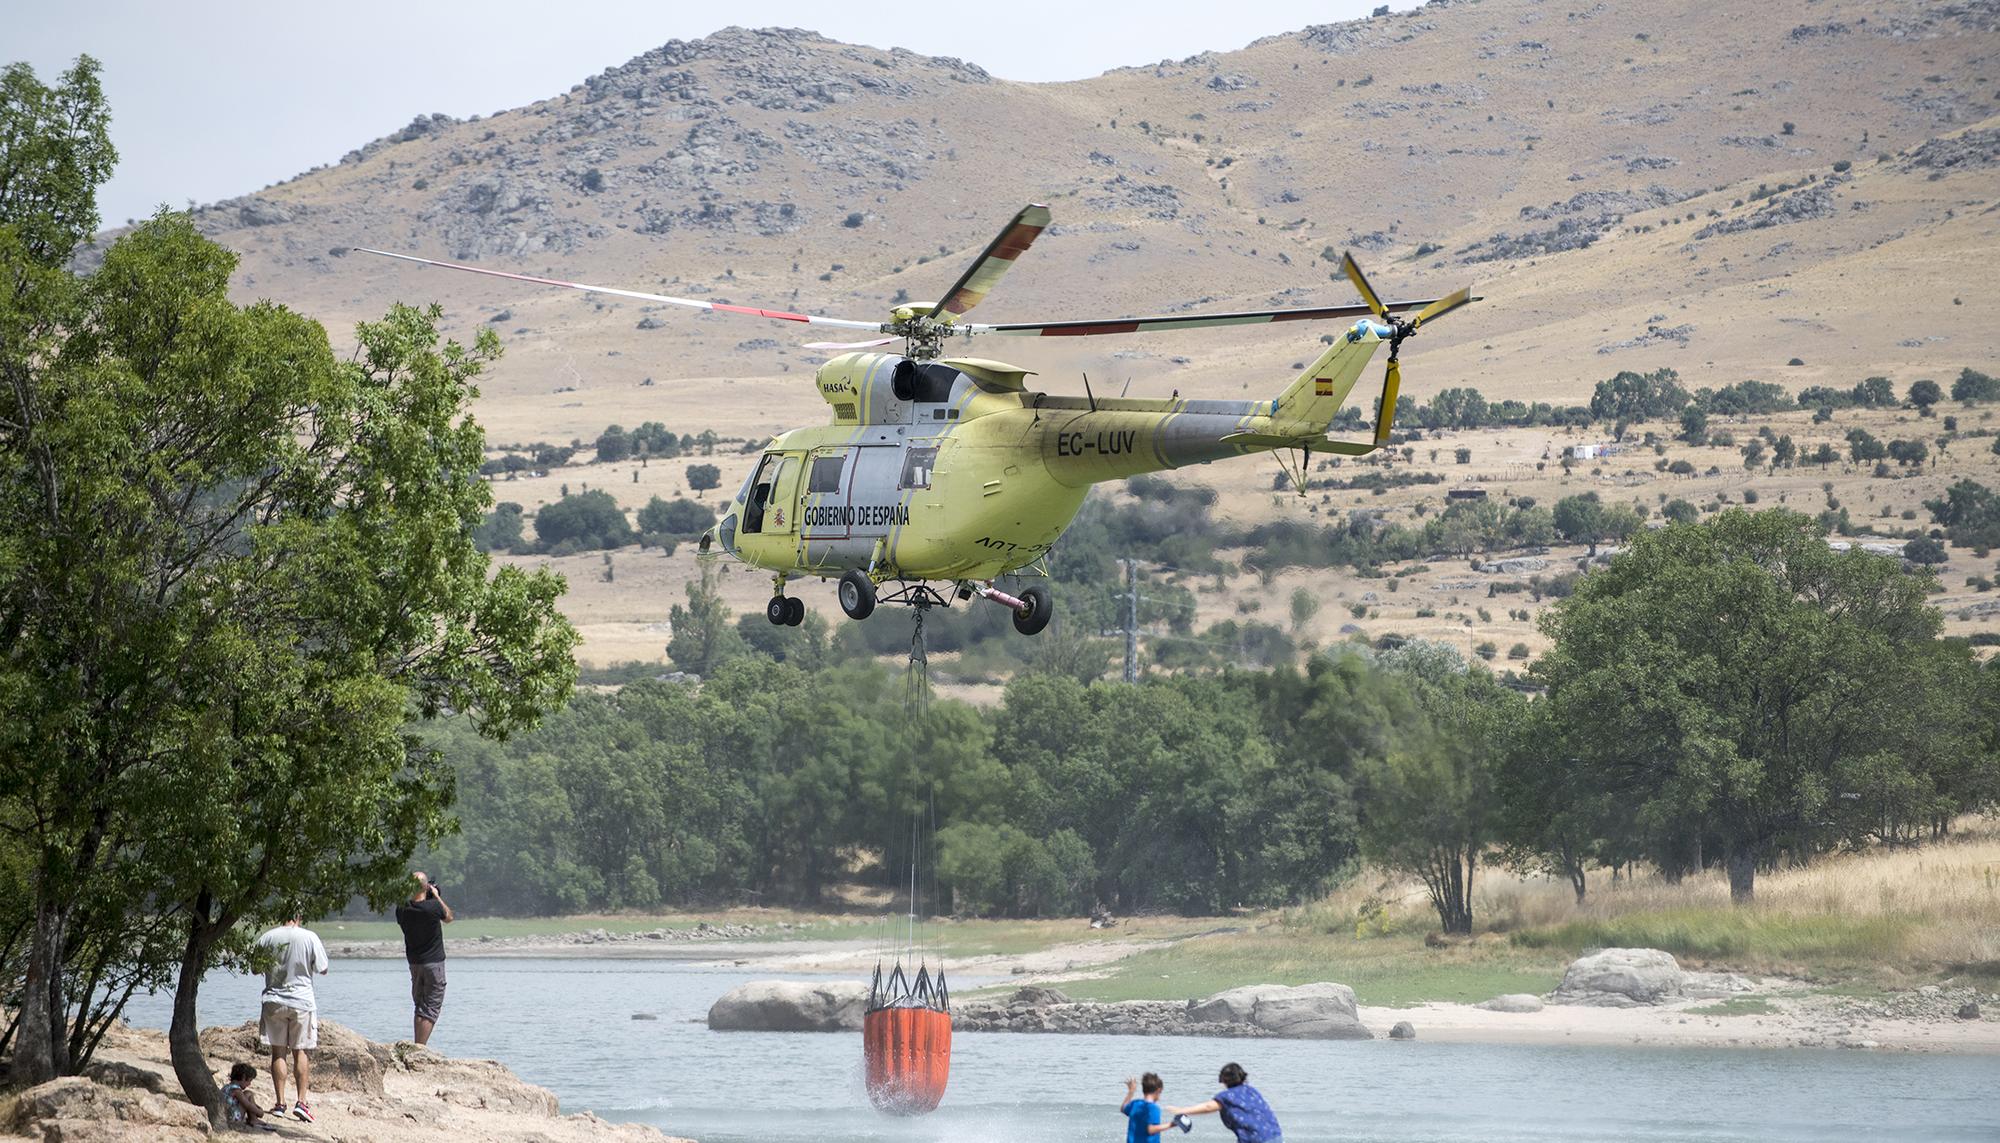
point(1924, 550)
point(652, 439)
point(1694, 425)
point(1305, 605)
point(236, 568)
point(1427, 805)
point(1862, 446)
point(583, 521)
point(1717, 680)
point(703, 477)
point(1924, 394)
point(500, 531)
point(614, 444)
point(677, 517)
point(1972, 385)
point(1874, 393)
point(702, 637)
point(1969, 512)
point(1580, 519)
point(1680, 512)
point(1633, 396)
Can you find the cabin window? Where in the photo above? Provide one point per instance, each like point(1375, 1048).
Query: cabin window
point(826, 471)
point(917, 465)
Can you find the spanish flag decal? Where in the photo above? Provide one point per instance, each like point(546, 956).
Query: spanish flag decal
point(1323, 386)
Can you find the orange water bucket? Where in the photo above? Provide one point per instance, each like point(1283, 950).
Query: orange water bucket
point(908, 1052)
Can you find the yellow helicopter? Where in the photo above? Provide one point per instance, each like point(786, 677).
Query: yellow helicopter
point(949, 470)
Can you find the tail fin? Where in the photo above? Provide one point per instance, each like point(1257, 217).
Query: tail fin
point(1312, 401)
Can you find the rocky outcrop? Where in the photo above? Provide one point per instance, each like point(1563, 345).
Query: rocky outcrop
point(1621, 978)
point(1305, 1012)
point(344, 1061)
point(790, 1006)
point(80, 1110)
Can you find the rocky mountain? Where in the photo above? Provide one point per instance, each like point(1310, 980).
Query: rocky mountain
point(1631, 184)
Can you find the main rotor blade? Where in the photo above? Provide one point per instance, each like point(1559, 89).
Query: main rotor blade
point(998, 258)
point(1443, 306)
point(691, 303)
point(1197, 321)
point(849, 344)
point(1360, 281)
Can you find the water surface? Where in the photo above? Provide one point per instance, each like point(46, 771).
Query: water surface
point(567, 1024)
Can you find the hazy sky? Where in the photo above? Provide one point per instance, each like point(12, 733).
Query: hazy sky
point(211, 100)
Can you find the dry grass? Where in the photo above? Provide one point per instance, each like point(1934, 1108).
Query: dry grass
point(1885, 916)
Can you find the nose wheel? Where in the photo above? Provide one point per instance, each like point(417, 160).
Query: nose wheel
point(785, 611)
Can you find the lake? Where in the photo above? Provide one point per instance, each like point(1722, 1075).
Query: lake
point(567, 1024)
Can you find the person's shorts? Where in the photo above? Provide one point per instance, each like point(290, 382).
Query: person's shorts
point(284, 1027)
point(427, 989)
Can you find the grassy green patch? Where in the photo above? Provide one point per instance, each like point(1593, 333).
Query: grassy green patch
point(1391, 971)
point(1737, 1006)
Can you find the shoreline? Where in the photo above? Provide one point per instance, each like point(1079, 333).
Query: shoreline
point(1781, 1013)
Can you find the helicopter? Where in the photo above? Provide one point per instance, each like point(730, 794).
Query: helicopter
point(948, 470)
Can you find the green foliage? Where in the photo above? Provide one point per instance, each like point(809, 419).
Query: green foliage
point(234, 568)
point(704, 477)
point(583, 521)
point(1924, 550)
point(1925, 393)
point(1972, 385)
point(613, 444)
point(55, 150)
point(500, 530)
point(1776, 673)
point(1969, 513)
point(1743, 398)
point(677, 517)
point(1680, 512)
point(1694, 425)
point(1633, 396)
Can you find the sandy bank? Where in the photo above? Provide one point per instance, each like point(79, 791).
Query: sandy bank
point(362, 1092)
point(1794, 1022)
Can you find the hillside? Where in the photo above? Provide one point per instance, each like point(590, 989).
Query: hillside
point(1630, 185)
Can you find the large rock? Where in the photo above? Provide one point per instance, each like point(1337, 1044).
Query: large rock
point(1513, 1002)
point(344, 1061)
point(78, 1110)
point(1621, 978)
point(790, 1006)
point(1322, 1011)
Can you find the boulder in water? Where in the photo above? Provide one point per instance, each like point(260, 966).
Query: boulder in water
point(1621, 978)
point(790, 1006)
point(1404, 1030)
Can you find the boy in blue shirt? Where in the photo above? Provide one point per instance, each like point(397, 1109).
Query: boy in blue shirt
point(1142, 1111)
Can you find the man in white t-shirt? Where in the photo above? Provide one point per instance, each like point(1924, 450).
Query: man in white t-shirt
point(290, 1024)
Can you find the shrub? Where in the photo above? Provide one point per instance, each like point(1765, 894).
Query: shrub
point(583, 522)
point(854, 220)
point(702, 477)
point(1518, 651)
point(677, 517)
point(1924, 550)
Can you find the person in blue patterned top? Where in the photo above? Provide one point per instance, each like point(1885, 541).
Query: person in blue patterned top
point(1242, 1108)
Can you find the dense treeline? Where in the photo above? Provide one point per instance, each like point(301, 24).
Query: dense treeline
point(1725, 694)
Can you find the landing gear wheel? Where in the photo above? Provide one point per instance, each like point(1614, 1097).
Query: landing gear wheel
point(857, 594)
point(1032, 618)
point(795, 611)
point(776, 609)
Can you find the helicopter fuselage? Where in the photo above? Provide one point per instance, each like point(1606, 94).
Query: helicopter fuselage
point(953, 470)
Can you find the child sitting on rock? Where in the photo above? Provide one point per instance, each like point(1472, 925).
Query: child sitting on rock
point(238, 1103)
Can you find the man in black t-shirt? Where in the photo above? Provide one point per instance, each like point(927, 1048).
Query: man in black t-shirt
point(423, 918)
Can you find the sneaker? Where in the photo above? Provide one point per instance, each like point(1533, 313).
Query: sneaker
point(278, 1110)
point(302, 1112)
